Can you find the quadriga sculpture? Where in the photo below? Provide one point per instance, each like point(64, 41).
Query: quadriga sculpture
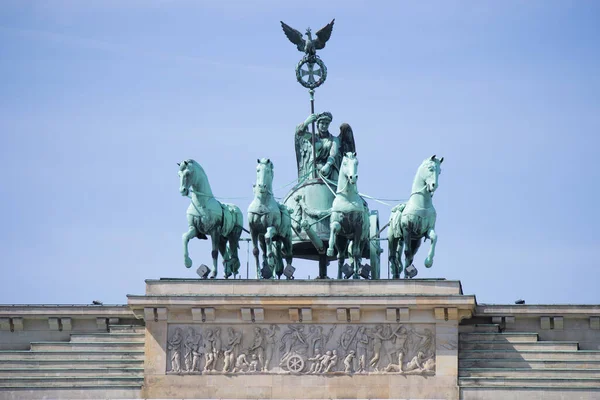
point(349, 216)
point(414, 220)
point(208, 217)
point(270, 223)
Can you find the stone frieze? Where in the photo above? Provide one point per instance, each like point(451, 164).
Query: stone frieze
point(327, 349)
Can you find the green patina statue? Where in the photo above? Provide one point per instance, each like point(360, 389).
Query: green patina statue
point(270, 223)
point(349, 219)
point(328, 148)
point(323, 217)
point(310, 45)
point(207, 216)
point(311, 65)
point(414, 220)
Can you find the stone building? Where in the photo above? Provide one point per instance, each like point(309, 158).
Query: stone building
point(247, 339)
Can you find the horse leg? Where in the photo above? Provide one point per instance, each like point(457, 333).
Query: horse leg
point(271, 232)
point(287, 250)
point(215, 238)
point(341, 246)
point(233, 245)
point(393, 256)
point(433, 237)
point(263, 248)
point(357, 248)
point(398, 250)
point(335, 227)
point(255, 252)
point(191, 233)
point(411, 248)
point(278, 260)
point(226, 257)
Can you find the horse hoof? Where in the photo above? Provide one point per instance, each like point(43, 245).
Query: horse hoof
point(188, 262)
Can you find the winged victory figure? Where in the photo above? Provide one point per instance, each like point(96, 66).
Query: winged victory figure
point(329, 150)
point(310, 45)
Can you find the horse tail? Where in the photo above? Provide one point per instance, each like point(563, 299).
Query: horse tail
point(286, 221)
point(233, 220)
point(395, 229)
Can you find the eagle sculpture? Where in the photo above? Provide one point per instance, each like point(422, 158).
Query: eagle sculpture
point(310, 45)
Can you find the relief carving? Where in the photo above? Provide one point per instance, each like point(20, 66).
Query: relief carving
point(302, 349)
point(192, 353)
point(174, 347)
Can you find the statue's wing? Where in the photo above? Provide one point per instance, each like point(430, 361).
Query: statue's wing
point(294, 36)
point(346, 139)
point(323, 35)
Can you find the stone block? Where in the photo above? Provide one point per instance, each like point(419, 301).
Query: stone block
point(101, 323)
point(113, 321)
point(66, 324)
point(306, 314)
point(509, 320)
point(149, 314)
point(452, 314)
point(53, 324)
point(17, 324)
point(246, 314)
point(341, 315)
point(197, 314)
point(440, 313)
point(209, 314)
point(259, 314)
point(4, 324)
point(595, 323)
point(558, 323)
point(404, 313)
point(496, 320)
point(294, 314)
point(390, 314)
point(545, 322)
point(355, 314)
point(161, 314)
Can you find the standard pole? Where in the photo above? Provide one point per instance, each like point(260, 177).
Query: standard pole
point(314, 152)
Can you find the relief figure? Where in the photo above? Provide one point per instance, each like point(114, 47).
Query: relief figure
point(175, 348)
point(257, 346)
point(269, 334)
point(348, 362)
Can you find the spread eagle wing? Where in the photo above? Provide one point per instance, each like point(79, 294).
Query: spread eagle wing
point(323, 35)
point(294, 36)
point(346, 136)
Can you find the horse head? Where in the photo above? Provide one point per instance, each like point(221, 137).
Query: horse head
point(185, 176)
point(192, 178)
point(429, 173)
point(264, 177)
point(349, 168)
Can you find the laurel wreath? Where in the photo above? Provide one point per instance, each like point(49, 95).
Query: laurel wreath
point(312, 60)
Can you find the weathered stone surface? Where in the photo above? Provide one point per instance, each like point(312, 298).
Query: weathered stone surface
point(350, 351)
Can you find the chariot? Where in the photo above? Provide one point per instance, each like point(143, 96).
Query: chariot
point(311, 201)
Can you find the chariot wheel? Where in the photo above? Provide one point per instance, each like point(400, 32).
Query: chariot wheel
point(375, 249)
point(295, 364)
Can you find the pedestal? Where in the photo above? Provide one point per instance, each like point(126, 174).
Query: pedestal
point(248, 339)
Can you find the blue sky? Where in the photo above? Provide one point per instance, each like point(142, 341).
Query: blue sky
point(100, 99)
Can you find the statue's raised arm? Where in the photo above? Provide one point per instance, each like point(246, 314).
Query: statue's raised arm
point(327, 148)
